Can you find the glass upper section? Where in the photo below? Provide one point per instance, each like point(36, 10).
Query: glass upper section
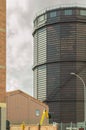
point(68, 12)
point(52, 14)
point(83, 12)
point(41, 18)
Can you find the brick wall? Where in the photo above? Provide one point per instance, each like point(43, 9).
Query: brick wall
point(2, 50)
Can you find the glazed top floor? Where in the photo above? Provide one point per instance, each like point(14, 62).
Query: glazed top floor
point(57, 13)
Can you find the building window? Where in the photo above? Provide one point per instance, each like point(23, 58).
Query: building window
point(83, 12)
point(42, 18)
point(52, 14)
point(68, 12)
point(37, 112)
point(35, 22)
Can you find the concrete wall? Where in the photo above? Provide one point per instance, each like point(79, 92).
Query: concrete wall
point(49, 127)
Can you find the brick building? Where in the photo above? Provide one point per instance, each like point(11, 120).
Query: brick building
point(23, 107)
point(2, 50)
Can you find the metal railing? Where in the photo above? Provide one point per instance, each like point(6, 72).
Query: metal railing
point(59, 6)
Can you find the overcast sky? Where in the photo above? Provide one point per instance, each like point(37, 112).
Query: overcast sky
point(20, 14)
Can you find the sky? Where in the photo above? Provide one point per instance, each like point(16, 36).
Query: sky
point(19, 40)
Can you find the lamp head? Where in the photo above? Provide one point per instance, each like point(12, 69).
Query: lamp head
point(72, 73)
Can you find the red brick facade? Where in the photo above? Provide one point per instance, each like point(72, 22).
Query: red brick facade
point(2, 50)
point(22, 107)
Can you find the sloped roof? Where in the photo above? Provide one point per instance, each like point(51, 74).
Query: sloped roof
point(10, 93)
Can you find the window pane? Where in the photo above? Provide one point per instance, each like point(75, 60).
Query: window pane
point(68, 12)
point(82, 12)
point(53, 14)
point(37, 112)
point(35, 22)
point(41, 18)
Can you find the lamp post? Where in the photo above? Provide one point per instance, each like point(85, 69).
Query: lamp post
point(84, 92)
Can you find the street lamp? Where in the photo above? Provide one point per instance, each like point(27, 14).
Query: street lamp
point(72, 73)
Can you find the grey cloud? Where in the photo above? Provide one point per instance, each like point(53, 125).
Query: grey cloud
point(21, 76)
point(20, 73)
point(19, 63)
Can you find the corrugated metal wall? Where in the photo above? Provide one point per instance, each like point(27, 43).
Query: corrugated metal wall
point(65, 53)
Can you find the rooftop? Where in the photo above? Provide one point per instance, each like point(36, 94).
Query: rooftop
point(59, 6)
point(10, 93)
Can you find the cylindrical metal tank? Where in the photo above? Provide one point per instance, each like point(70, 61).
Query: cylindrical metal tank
point(59, 49)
